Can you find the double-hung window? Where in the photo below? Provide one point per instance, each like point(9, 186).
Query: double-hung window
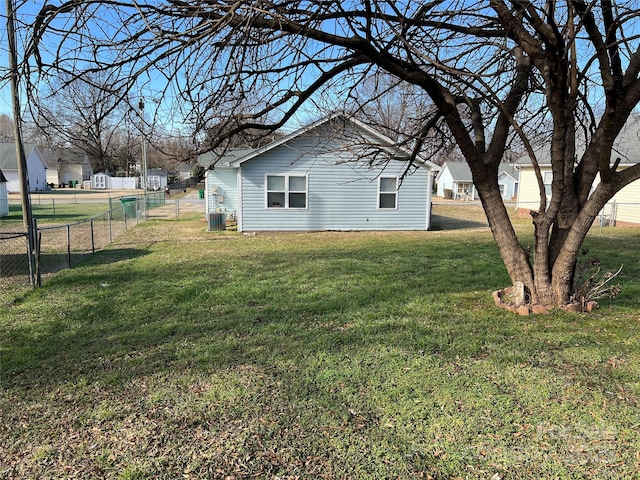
point(286, 191)
point(388, 192)
point(548, 180)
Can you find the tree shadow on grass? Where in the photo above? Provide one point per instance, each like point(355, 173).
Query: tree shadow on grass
point(257, 307)
point(440, 223)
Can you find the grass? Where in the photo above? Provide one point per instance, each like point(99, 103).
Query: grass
point(180, 353)
point(52, 211)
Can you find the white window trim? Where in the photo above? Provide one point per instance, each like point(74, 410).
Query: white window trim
point(380, 178)
point(547, 180)
point(286, 191)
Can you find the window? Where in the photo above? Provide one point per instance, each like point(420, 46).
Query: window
point(286, 191)
point(548, 178)
point(388, 187)
point(464, 189)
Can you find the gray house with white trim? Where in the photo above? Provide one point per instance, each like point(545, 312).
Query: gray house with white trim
point(456, 177)
point(335, 174)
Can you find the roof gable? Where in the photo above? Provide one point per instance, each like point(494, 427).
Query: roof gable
point(367, 133)
point(8, 157)
point(459, 171)
point(53, 156)
point(626, 147)
point(222, 157)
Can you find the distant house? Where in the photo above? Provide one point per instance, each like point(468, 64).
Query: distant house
point(36, 167)
point(4, 196)
point(508, 181)
point(66, 166)
point(456, 177)
point(624, 207)
point(325, 176)
point(183, 171)
point(156, 179)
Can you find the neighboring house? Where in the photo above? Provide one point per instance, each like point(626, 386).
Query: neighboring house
point(624, 207)
point(4, 196)
point(326, 176)
point(456, 177)
point(66, 166)
point(156, 179)
point(183, 170)
point(508, 181)
point(36, 167)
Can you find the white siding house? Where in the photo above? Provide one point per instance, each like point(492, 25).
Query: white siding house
point(623, 208)
point(36, 167)
point(66, 166)
point(456, 177)
point(323, 177)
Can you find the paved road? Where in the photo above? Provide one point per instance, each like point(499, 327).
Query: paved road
point(186, 204)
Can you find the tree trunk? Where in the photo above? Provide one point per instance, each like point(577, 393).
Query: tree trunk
point(515, 258)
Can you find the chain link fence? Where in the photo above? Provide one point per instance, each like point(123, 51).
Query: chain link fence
point(62, 246)
point(14, 262)
point(455, 215)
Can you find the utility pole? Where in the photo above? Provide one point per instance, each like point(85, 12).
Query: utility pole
point(27, 216)
point(144, 146)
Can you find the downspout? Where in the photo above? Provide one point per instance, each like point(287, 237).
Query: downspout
point(239, 199)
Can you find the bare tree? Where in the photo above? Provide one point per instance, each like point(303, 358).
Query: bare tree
point(495, 72)
point(6, 128)
point(82, 112)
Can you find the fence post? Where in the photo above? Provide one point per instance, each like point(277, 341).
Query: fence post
point(38, 239)
point(177, 204)
point(53, 204)
point(110, 219)
point(93, 243)
point(68, 245)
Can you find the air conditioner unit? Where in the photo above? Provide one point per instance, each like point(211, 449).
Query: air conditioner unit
point(217, 221)
point(220, 199)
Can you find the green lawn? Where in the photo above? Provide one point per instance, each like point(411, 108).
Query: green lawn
point(180, 353)
point(52, 211)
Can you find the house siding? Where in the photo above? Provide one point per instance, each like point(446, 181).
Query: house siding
point(4, 199)
point(529, 195)
point(341, 194)
point(226, 181)
point(627, 204)
point(445, 182)
point(509, 186)
point(36, 168)
point(626, 200)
